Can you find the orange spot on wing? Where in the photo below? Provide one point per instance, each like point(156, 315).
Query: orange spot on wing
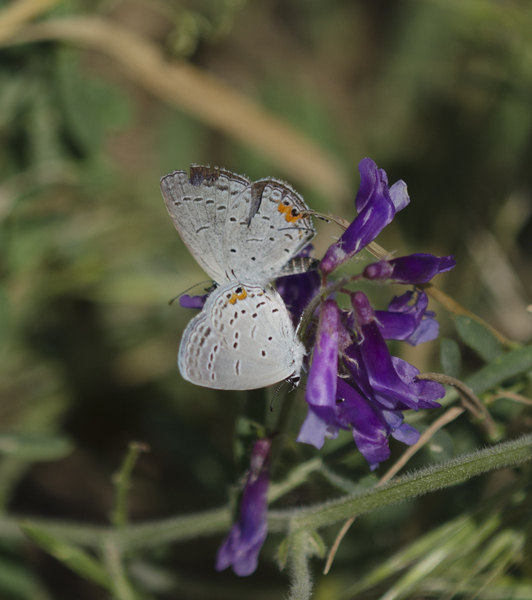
point(287, 212)
point(293, 218)
point(238, 296)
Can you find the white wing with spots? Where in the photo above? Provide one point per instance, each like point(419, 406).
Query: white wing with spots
point(198, 208)
point(264, 229)
point(243, 339)
point(238, 231)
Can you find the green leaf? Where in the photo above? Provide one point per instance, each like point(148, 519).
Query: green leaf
point(506, 366)
point(450, 358)
point(316, 545)
point(282, 553)
point(72, 556)
point(478, 338)
point(34, 448)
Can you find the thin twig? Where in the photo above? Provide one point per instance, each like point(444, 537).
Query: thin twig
point(447, 417)
point(456, 308)
point(510, 396)
point(469, 400)
point(378, 251)
point(336, 544)
point(343, 223)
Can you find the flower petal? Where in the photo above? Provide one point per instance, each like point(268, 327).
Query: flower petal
point(399, 195)
point(186, 301)
point(321, 384)
point(411, 269)
point(408, 319)
point(407, 434)
point(393, 383)
point(315, 429)
point(376, 208)
point(242, 545)
point(370, 430)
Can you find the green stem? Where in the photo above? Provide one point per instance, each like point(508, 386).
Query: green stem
point(300, 578)
point(120, 584)
point(122, 481)
point(426, 480)
point(183, 528)
point(297, 476)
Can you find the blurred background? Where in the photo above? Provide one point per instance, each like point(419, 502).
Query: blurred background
point(98, 100)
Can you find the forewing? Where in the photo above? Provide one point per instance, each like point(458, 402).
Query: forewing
point(243, 339)
point(265, 228)
point(198, 207)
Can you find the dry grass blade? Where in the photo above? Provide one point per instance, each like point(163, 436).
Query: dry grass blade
point(203, 96)
point(446, 418)
point(511, 396)
point(457, 309)
point(18, 13)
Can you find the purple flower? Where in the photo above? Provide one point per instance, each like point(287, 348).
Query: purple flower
point(407, 319)
point(374, 387)
point(376, 204)
point(392, 380)
point(241, 547)
point(298, 290)
point(415, 268)
point(370, 430)
point(186, 301)
point(323, 374)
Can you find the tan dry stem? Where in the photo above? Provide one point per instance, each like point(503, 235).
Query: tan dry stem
point(469, 399)
point(202, 95)
point(457, 309)
point(16, 14)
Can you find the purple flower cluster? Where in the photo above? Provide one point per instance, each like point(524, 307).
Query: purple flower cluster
point(354, 383)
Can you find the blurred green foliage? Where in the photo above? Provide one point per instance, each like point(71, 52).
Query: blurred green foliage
point(436, 92)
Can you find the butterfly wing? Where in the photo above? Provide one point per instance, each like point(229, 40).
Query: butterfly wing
point(265, 228)
point(235, 229)
point(243, 339)
point(198, 207)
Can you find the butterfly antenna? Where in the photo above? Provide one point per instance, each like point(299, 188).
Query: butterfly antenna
point(170, 302)
point(275, 395)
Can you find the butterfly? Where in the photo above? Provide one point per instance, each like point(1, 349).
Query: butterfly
point(244, 235)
